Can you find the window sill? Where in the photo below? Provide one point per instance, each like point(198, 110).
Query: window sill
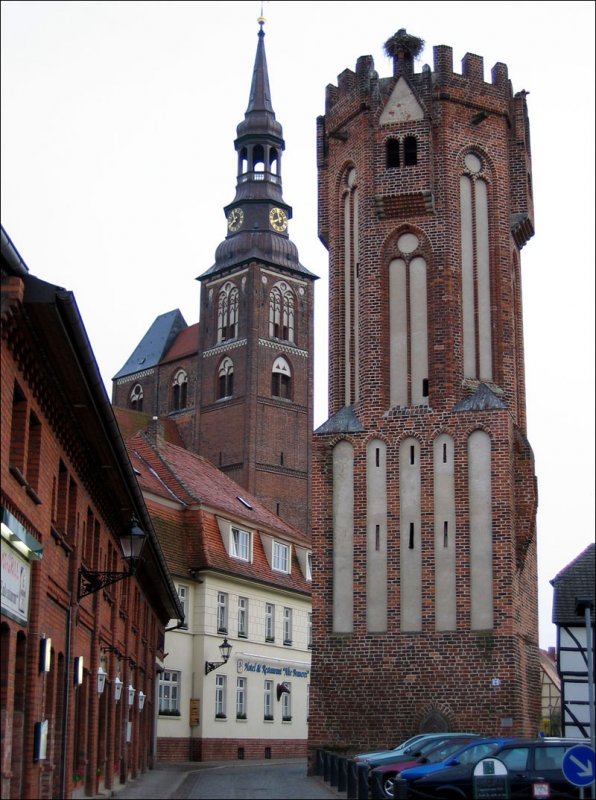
point(287, 643)
point(242, 635)
point(221, 719)
point(268, 719)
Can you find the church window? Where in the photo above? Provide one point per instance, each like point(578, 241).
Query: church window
point(281, 312)
point(225, 378)
point(227, 313)
point(410, 151)
point(281, 379)
point(393, 153)
point(135, 399)
point(475, 270)
point(179, 390)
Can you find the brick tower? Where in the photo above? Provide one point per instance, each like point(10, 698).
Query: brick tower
point(423, 485)
point(255, 370)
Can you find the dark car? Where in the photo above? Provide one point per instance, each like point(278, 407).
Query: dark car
point(413, 751)
point(439, 752)
point(534, 769)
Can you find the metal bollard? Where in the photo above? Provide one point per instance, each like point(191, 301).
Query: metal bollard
point(342, 774)
point(326, 766)
point(376, 786)
point(362, 771)
point(318, 762)
point(333, 765)
point(352, 780)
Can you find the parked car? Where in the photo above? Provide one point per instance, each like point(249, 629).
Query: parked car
point(439, 752)
point(413, 751)
point(534, 770)
point(399, 749)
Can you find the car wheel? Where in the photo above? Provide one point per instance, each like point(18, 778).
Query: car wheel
point(388, 785)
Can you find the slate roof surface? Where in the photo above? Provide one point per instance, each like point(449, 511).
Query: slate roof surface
point(344, 421)
point(575, 580)
point(154, 344)
point(483, 399)
point(189, 532)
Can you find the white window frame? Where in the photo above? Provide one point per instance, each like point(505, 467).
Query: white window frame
point(287, 625)
point(309, 630)
point(169, 692)
point(269, 622)
point(241, 704)
point(182, 591)
point(309, 566)
point(281, 557)
point(268, 701)
point(222, 612)
point(220, 696)
point(240, 544)
point(286, 704)
point(243, 617)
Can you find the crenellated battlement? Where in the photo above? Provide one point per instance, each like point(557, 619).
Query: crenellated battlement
point(442, 82)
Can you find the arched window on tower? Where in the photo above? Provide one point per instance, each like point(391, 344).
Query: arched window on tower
point(135, 399)
point(281, 379)
point(258, 158)
point(242, 161)
point(281, 312)
point(227, 313)
point(410, 151)
point(273, 161)
point(392, 151)
point(179, 390)
point(225, 377)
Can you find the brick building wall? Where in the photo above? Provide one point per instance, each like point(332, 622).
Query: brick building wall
point(60, 514)
point(377, 215)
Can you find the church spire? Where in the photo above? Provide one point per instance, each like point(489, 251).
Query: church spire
point(257, 218)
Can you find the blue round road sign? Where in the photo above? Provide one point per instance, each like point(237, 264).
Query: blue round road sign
point(579, 765)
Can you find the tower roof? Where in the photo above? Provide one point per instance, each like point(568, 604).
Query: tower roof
point(154, 344)
point(252, 236)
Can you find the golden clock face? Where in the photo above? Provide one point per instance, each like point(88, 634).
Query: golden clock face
point(235, 219)
point(278, 219)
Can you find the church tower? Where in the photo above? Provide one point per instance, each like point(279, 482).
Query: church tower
point(424, 493)
point(255, 370)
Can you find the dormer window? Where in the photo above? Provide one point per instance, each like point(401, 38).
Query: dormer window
point(281, 557)
point(240, 544)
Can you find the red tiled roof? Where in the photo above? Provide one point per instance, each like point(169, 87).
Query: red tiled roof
point(189, 532)
point(185, 344)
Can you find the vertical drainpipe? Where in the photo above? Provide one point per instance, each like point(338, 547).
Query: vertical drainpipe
point(66, 704)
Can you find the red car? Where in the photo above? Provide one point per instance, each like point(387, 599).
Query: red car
point(386, 773)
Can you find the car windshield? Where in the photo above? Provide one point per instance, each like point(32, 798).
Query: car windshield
point(476, 752)
point(443, 752)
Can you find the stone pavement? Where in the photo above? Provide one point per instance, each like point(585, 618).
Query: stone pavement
point(166, 781)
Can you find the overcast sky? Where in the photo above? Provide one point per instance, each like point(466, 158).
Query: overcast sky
point(118, 123)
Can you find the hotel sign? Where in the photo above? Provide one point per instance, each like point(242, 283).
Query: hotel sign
point(261, 668)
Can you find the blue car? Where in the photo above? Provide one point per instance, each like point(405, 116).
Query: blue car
point(534, 769)
point(414, 782)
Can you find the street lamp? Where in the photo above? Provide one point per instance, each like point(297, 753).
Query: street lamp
point(132, 543)
point(225, 649)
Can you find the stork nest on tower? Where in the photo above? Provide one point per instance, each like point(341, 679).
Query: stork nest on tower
point(404, 42)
